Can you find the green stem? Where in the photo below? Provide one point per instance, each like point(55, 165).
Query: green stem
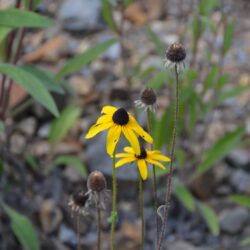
point(114, 212)
point(98, 223)
point(154, 182)
point(141, 213)
point(170, 175)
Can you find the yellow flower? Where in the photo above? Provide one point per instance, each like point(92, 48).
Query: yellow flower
point(145, 157)
point(118, 121)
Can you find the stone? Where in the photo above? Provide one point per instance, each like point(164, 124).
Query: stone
point(233, 221)
point(67, 235)
point(239, 158)
point(17, 143)
point(240, 180)
point(28, 126)
point(182, 245)
point(80, 15)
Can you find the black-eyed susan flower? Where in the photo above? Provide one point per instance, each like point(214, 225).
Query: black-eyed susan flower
point(142, 159)
point(117, 121)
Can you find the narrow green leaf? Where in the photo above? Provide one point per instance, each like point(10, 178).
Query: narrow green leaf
point(205, 7)
point(158, 80)
point(222, 81)
point(228, 37)
point(107, 15)
point(159, 46)
point(31, 84)
point(245, 242)
point(211, 77)
point(2, 127)
point(80, 61)
point(185, 197)
point(220, 149)
point(63, 124)
point(23, 229)
point(243, 200)
point(45, 78)
point(31, 161)
point(4, 31)
point(160, 131)
point(210, 218)
point(233, 92)
point(22, 18)
point(72, 161)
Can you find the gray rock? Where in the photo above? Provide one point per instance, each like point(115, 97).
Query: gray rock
point(80, 15)
point(233, 221)
point(28, 126)
point(239, 158)
point(241, 181)
point(67, 235)
point(182, 245)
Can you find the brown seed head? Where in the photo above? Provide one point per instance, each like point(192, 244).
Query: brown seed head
point(79, 198)
point(96, 181)
point(148, 96)
point(176, 53)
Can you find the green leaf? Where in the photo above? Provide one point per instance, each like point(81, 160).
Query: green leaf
point(223, 79)
point(22, 18)
point(80, 61)
point(159, 46)
point(205, 7)
point(63, 124)
point(228, 37)
point(233, 92)
point(4, 31)
point(210, 218)
point(243, 200)
point(220, 149)
point(2, 127)
point(245, 242)
point(31, 84)
point(23, 229)
point(31, 162)
point(72, 161)
point(158, 80)
point(185, 197)
point(45, 78)
point(211, 77)
point(107, 15)
point(160, 131)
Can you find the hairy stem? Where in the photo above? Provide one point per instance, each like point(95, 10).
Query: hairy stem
point(98, 222)
point(170, 175)
point(154, 181)
point(141, 213)
point(114, 212)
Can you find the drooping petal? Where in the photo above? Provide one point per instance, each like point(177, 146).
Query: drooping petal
point(97, 128)
point(132, 138)
point(112, 139)
point(124, 161)
point(104, 119)
point(139, 130)
point(122, 155)
point(159, 157)
point(108, 110)
point(129, 150)
point(156, 163)
point(143, 169)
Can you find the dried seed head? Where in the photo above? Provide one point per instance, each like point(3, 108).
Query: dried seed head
point(79, 198)
point(96, 181)
point(148, 96)
point(176, 53)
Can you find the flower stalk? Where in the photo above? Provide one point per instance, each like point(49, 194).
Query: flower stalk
point(98, 209)
point(141, 212)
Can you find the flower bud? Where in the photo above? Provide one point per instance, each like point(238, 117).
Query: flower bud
point(96, 181)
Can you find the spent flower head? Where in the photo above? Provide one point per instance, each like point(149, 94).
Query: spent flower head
point(117, 121)
point(146, 156)
point(147, 100)
point(175, 56)
point(78, 202)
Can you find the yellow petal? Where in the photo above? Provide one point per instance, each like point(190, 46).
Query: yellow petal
point(132, 138)
point(139, 130)
point(124, 161)
point(143, 169)
point(112, 139)
point(97, 128)
point(104, 119)
point(158, 157)
point(156, 163)
point(108, 110)
point(123, 155)
point(129, 150)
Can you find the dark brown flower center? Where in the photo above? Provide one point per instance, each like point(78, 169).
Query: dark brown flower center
point(148, 96)
point(143, 154)
point(120, 116)
point(176, 53)
point(80, 198)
